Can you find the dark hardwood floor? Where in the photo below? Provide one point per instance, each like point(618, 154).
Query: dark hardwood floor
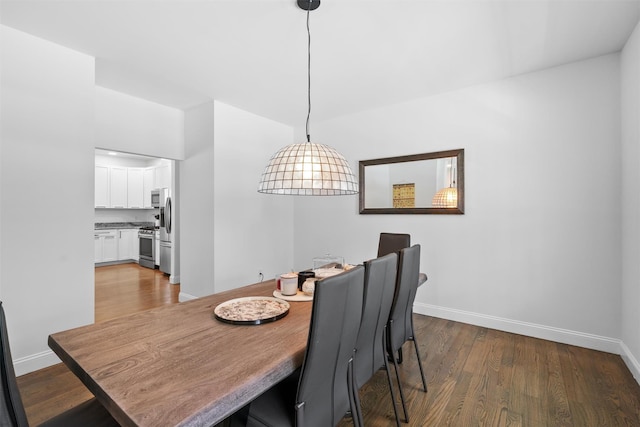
point(119, 290)
point(476, 376)
point(484, 377)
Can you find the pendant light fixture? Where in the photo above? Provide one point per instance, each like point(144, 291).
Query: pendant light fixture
point(308, 168)
point(447, 197)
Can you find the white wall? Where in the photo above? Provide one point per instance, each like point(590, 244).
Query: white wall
point(197, 203)
point(133, 125)
point(538, 249)
point(253, 231)
point(226, 150)
point(46, 184)
point(630, 91)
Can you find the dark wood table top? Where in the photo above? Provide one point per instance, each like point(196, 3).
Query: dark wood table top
point(179, 366)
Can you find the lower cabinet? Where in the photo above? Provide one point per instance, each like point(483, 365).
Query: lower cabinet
point(105, 245)
point(128, 244)
point(116, 245)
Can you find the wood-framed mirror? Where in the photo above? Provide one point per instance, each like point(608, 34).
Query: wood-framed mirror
point(428, 183)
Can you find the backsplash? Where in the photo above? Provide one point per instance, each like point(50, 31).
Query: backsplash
point(125, 215)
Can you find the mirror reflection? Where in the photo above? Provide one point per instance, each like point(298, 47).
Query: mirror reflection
point(429, 183)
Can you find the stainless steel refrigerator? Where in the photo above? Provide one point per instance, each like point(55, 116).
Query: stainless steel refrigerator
point(166, 219)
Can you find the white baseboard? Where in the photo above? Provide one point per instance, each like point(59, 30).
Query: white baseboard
point(565, 336)
point(630, 361)
point(33, 362)
point(182, 296)
point(174, 279)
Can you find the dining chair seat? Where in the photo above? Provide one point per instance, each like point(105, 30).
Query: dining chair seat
point(322, 393)
point(12, 413)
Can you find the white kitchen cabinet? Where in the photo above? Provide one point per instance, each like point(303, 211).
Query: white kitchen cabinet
point(121, 187)
point(135, 182)
point(127, 248)
point(110, 248)
point(118, 187)
point(105, 245)
point(163, 176)
point(148, 184)
point(116, 245)
point(97, 248)
point(102, 187)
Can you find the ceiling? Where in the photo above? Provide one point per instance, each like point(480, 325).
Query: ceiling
point(252, 54)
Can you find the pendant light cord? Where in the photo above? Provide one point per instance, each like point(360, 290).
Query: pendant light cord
point(308, 74)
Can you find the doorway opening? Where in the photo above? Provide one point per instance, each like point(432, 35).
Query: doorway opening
point(134, 231)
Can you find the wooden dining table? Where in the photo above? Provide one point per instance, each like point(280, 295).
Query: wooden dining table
point(178, 365)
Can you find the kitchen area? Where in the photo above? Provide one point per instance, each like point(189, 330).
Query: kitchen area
point(133, 211)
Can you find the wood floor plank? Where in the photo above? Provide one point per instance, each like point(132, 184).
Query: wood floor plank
point(558, 400)
point(501, 363)
point(455, 362)
point(475, 400)
point(476, 376)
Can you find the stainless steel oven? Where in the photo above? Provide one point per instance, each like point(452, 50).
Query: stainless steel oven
point(147, 238)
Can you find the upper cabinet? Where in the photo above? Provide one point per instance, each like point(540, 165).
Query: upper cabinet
point(126, 188)
point(135, 188)
point(127, 183)
point(163, 176)
point(102, 187)
point(118, 187)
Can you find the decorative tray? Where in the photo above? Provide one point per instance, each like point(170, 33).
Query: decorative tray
point(300, 296)
point(251, 310)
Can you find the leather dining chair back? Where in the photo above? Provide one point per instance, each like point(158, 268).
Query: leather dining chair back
point(325, 383)
point(392, 242)
point(400, 328)
point(12, 413)
point(379, 286)
point(335, 321)
point(406, 287)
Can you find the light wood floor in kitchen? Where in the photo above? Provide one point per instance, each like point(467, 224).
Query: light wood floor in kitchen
point(476, 376)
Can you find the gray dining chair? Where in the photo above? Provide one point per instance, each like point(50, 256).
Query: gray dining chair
point(392, 242)
point(379, 286)
point(321, 393)
point(12, 413)
point(400, 328)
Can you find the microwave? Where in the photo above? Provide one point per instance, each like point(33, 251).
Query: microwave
point(155, 198)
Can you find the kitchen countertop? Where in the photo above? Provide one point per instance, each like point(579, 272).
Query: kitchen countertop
point(120, 225)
